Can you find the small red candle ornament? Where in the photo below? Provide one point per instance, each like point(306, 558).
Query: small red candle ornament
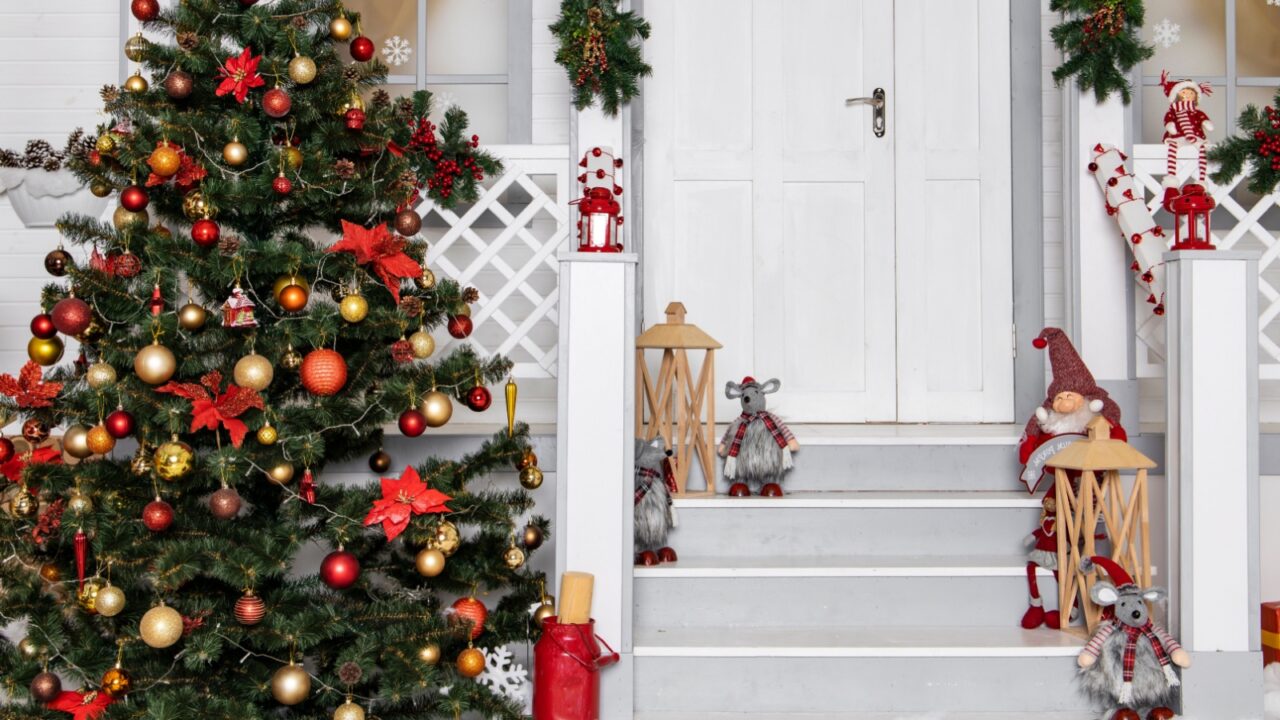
point(599, 214)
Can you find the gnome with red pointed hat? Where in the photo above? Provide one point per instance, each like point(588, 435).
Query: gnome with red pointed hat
point(1185, 125)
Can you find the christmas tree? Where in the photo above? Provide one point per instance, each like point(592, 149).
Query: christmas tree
point(259, 309)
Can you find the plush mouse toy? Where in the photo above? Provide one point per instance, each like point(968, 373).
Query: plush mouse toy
point(757, 446)
point(1128, 664)
point(655, 516)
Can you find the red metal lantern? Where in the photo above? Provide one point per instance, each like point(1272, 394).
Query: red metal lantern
point(599, 214)
point(1189, 210)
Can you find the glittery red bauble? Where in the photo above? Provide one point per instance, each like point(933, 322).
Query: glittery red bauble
point(479, 398)
point(145, 10)
point(71, 316)
point(119, 424)
point(355, 119)
point(128, 265)
point(6, 450)
point(362, 49)
point(133, 198)
point(470, 611)
point(460, 326)
point(205, 232)
point(250, 610)
point(157, 516)
point(323, 372)
point(42, 326)
point(412, 423)
point(282, 185)
point(340, 569)
point(276, 103)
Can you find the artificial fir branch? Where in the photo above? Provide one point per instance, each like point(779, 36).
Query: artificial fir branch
point(1255, 149)
point(600, 49)
point(1101, 42)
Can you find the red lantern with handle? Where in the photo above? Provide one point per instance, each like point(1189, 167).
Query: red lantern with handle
point(599, 214)
point(1190, 209)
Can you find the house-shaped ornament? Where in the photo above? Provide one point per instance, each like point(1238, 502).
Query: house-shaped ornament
point(237, 311)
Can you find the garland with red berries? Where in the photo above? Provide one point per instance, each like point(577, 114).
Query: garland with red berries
point(600, 50)
point(1255, 150)
point(1101, 43)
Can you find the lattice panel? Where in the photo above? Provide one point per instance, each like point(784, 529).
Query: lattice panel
point(505, 246)
point(1237, 225)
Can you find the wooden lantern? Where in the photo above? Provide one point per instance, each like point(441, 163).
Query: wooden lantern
point(1099, 491)
point(674, 405)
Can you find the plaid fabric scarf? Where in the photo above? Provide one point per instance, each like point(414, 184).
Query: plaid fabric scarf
point(1131, 647)
point(649, 476)
point(747, 419)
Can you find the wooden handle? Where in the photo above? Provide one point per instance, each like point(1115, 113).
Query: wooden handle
point(575, 597)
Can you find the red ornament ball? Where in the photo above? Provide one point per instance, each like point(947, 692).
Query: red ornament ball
point(250, 609)
point(276, 103)
point(460, 326)
point(145, 10)
point(412, 423)
point(127, 265)
point(119, 424)
point(6, 450)
point(479, 398)
point(362, 49)
point(157, 515)
point(340, 569)
point(133, 198)
point(71, 316)
point(323, 372)
point(205, 232)
point(355, 119)
point(248, 3)
point(282, 185)
point(42, 326)
point(470, 611)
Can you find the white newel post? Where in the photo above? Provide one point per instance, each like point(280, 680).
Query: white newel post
point(1212, 470)
point(595, 433)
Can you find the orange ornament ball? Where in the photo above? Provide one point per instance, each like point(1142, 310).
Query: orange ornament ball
point(165, 160)
point(323, 372)
point(470, 611)
point(470, 663)
point(293, 298)
point(100, 440)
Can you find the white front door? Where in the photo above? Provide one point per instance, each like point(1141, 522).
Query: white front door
point(871, 274)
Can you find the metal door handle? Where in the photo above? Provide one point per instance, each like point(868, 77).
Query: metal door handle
point(877, 103)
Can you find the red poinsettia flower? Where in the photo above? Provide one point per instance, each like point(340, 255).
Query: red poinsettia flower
point(29, 389)
point(211, 408)
point(402, 498)
point(19, 462)
point(381, 249)
point(82, 705)
point(189, 171)
point(239, 75)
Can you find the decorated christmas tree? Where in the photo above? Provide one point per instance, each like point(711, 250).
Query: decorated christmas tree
point(258, 310)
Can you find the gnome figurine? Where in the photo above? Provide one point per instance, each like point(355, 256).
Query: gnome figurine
point(655, 516)
point(757, 446)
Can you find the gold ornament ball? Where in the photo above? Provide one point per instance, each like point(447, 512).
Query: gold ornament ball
point(135, 46)
point(291, 360)
point(254, 372)
point(161, 627)
point(124, 219)
point(29, 648)
point(173, 460)
point(462, 309)
point(423, 344)
point(293, 158)
point(105, 144)
point(268, 435)
point(348, 711)
point(141, 464)
point(99, 188)
point(426, 280)
point(155, 364)
point(24, 505)
point(513, 557)
point(196, 206)
point(99, 440)
point(437, 407)
point(116, 682)
point(45, 352)
point(87, 596)
point(75, 442)
point(531, 478)
point(281, 473)
point(192, 316)
point(235, 153)
point(340, 28)
point(79, 503)
point(470, 663)
point(302, 69)
point(136, 84)
point(290, 685)
point(164, 160)
point(429, 654)
point(110, 601)
point(354, 308)
point(429, 562)
point(545, 610)
point(100, 375)
point(285, 281)
point(50, 573)
point(447, 539)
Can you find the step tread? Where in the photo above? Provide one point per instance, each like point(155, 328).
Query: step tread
point(909, 641)
point(872, 499)
point(840, 566)
point(914, 435)
point(936, 715)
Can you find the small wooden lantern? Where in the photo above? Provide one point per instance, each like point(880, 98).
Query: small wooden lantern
point(675, 406)
point(1100, 490)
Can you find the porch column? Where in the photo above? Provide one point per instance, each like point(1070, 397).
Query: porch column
point(595, 448)
point(1212, 471)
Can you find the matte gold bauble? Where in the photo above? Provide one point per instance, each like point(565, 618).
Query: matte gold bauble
point(161, 626)
point(292, 158)
point(447, 539)
point(196, 206)
point(100, 375)
point(290, 685)
point(437, 407)
point(123, 219)
point(110, 601)
point(429, 654)
point(348, 711)
point(87, 596)
point(136, 84)
point(470, 663)
point(285, 281)
point(24, 505)
point(155, 364)
point(173, 460)
point(43, 351)
point(235, 153)
point(142, 464)
point(135, 46)
point(302, 69)
point(513, 557)
point(340, 28)
point(267, 434)
point(354, 308)
point(429, 562)
point(254, 372)
point(29, 648)
point(291, 360)
point(192, 316)
point(99, 188)
point(531, 478)
point(116, 682)
point(75, 442)
point(79, 504)
point(100, 440)
point(423, 344)
point(281, 473)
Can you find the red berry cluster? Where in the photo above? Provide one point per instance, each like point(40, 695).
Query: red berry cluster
point(1269, 144)
point(446, 172)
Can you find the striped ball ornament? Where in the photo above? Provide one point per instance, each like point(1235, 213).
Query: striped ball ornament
point(250, 609)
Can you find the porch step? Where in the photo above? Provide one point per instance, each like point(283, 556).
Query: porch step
point(942, 715)
point(916, 641)
point(886, 434)
point(838, 566)
point(911, 499)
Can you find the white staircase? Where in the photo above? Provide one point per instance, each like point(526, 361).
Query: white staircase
point(888, 583)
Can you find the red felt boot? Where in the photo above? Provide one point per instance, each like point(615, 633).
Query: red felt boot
point(739, 490)
point(1170, 194)
point(1126, 714)
point(1033, 617)
point(771, 490)
point(667, 554)
point(1053, 620)
point(647, 558)
point(1160, 713)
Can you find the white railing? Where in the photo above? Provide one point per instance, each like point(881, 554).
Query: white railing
point(505, 246)
point(1237, 225)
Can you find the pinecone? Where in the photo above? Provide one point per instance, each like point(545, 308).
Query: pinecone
point(470, 295)
point(350, 673)
point(411, 305)
point(351, 73)
point(404, 108)
point(229, 245)
point(188, 40)
point(109, 93)
point(301, 22)
point(52, 164)
point(380, 99)
point(9, 159)
point(344, 169)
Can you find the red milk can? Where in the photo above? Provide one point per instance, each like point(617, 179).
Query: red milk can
point(567, 664)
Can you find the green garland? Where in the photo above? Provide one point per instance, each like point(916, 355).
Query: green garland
point(1101, 43)
point(600, 51)
point(1258, 146)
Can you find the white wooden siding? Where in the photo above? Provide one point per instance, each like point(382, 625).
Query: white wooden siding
point(1055, 309)
point(551, 92)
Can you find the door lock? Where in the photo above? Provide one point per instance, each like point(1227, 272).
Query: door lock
point(877, 103)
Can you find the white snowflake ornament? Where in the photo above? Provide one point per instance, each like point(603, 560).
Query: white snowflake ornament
point(396, 50)
point(503, 676)
point(1273, 3)
point(1168, 33)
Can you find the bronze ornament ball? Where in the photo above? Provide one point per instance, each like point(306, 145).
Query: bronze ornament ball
point(196, 206)
point(57, 262)
point(35, 431)
point(123, 219)
point(254, 372)
point(135, 46)
point(50, 573)
point(293, 298)
point(281, 473)
point(531, 478)
point(75, 442)
point(99, 188)
point(192, 316)
point(470, 663)
point(285, 281)
point(290, 685)
point(116, 682)
point(155, 364)
point(408, 223)
point(235, 153)
point(380, 461)
point(110, 601)
point(429, 654)
point(173, 460)
point(533, 537)
point(45, 687)
point(161, 627)
point(425, 280)
point(29, 648)
point(141, 464)
point(514, 558)
point(136, 84)
point(293, 158)
point(302, 69)
point(224, 503)
point(437, 407)
point(429, 562)
point(291, 360)
point(100, 440)
point(105, 144)
point(545, 610)
point(100, 375)
point(45, 352)
point(79, 504)
point(178, 85)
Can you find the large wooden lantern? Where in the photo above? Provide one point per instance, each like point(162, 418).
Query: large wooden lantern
point(675, 405)
point(1099, 492)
